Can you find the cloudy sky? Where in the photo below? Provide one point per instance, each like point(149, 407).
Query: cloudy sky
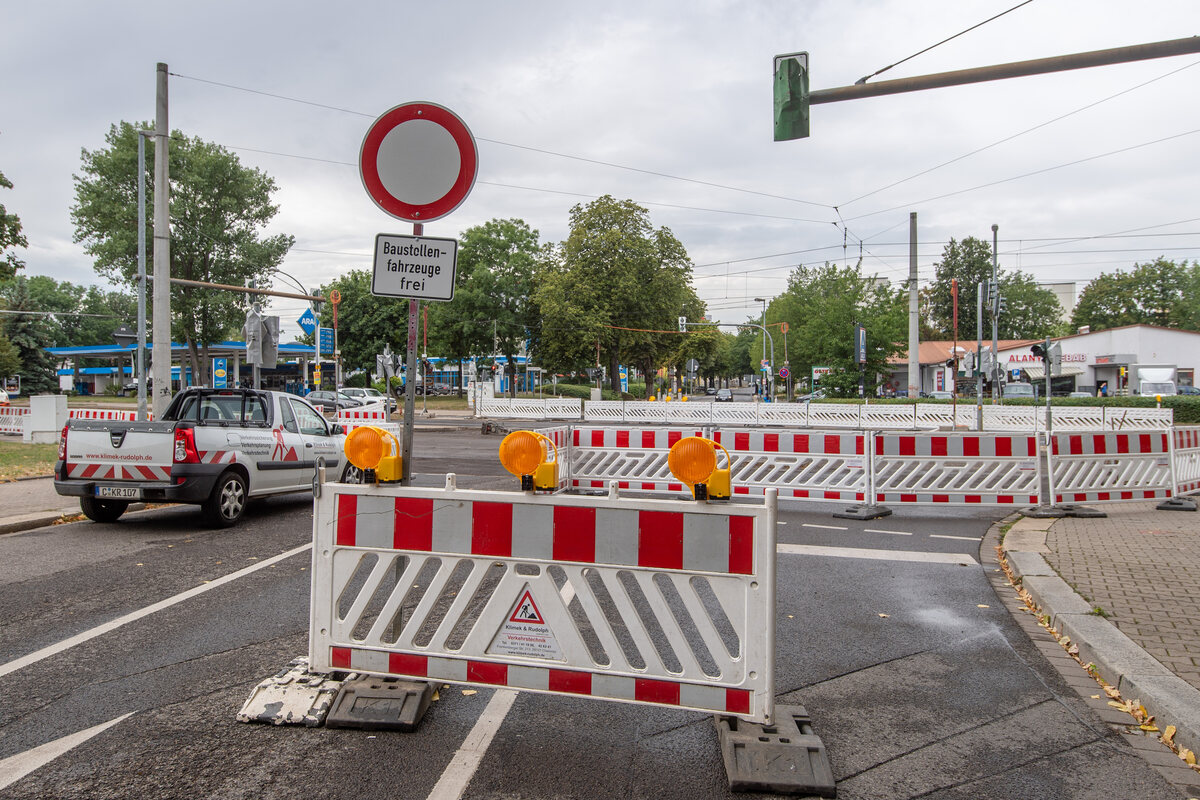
point(667, 103)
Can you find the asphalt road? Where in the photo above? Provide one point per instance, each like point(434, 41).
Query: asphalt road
point(916, 678)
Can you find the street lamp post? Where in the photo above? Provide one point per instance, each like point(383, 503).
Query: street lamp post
point(769, 383)
point(316, 332)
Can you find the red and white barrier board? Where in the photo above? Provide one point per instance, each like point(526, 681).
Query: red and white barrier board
point(1105, 467)
point(549, 593)
point(1185, 457)
point(955, 468)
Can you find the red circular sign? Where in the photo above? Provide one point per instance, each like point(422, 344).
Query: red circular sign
point(418, 162)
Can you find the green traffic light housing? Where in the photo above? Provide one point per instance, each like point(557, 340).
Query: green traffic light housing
point(791, 96)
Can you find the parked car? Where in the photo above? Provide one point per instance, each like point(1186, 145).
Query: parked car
point(819, 394)
point(215, 448)
point(370, 395)
point(1087, 394)
point(331, 401)
point(710, 391)
point(724, 396)
point(940, 396)
point(1190, 390)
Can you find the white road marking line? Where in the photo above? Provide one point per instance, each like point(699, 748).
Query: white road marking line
point(893, 533)
point(960, 538)
point(824, 527)
point(462, 766)
point(13, 768)
point(133, 616)
point(878, 555)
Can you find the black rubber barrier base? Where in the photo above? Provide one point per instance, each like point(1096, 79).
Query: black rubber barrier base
point(863, 512)
point(1177, 504)
point(380, 704)
point(784, 758)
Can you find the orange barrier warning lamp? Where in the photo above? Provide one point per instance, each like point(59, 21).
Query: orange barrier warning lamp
point(374, 449)
point(524, 454)
point(694, 461)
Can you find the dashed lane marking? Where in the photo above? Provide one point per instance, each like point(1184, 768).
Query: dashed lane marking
point(824, 527)
point(960, 538)
point(13, 768)
point(893, 533)
point(880, 555)
point(133, 616)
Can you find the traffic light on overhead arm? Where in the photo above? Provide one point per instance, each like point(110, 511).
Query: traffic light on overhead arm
point(791, 96)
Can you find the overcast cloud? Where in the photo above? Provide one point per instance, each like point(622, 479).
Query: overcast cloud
point(682, 89)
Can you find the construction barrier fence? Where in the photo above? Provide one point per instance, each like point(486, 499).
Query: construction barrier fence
point(923, 467)
point(637, 601)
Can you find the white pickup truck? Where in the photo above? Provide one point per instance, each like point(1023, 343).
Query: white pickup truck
point(213, 447)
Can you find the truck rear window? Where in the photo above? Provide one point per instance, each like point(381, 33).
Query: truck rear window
point(237, 409)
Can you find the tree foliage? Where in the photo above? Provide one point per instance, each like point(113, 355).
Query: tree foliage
point(219, 210)
point(29, 333)
point(616, 282)
point(366, 322)
point(821, 306)
point(1032, 312)
point(10, 237)
point(1159, 293)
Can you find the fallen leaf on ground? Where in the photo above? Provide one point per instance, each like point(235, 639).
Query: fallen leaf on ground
point(1149, 728)
point(1168, 736)
point(982, 605)
point(436, 696)
point(469, 692)
point(885, 616)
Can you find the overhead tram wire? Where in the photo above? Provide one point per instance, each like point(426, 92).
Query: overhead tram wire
point(1016, 135)
point(866, 78)
point(549, 191)
point(1028, 174)
point(541, 151)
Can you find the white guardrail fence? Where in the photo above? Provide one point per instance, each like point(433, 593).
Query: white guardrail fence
point(918, 416)
point(896, 468)
point(632, 600)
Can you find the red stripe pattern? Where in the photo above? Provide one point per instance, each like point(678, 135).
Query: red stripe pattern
point(693, 541)
point(545, 679)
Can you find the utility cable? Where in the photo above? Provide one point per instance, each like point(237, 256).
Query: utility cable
point(1028, 174)
point(866, 78)
point(539, 150)
point(1015, 135)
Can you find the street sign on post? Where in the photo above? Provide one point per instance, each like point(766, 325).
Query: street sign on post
point(308, 321)
point(419, 267)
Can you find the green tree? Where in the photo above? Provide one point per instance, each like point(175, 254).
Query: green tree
point(366, 322)
point(821, 306)
point(10, 237)
point(219, 210)
point(1032, 312)
point(1159, 293)
point(616, 284)
point(499, 259)
point(30, 333)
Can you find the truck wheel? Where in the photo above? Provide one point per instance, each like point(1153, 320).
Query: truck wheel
point(352, 474)
point(102, 510)
point(228, 500)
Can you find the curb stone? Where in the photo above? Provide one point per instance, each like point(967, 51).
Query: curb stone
point(1116, 658)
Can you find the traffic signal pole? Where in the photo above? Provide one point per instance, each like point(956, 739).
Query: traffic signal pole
point(1014, 69)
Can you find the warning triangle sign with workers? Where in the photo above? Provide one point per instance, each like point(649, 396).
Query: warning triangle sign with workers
point(525, 632)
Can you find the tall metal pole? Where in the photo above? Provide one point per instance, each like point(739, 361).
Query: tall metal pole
point(410, 383)
point(979, 355)
point(141, 279)
point(995, 323)
point(914, 315)
point(162, 251)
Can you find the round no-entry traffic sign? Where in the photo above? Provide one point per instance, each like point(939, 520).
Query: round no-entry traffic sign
point(418, 161)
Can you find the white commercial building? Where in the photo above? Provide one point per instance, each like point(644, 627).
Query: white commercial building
point(1103, 359)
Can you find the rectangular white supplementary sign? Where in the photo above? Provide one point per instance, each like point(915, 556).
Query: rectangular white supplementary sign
point(414, 266)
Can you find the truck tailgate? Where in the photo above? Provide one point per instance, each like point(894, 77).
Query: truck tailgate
point(120, 451)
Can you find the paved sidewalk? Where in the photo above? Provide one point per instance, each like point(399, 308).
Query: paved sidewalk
point(1126, 589)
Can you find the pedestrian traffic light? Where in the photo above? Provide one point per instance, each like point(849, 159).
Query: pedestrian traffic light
point(791, 96)
point(1039, 351)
